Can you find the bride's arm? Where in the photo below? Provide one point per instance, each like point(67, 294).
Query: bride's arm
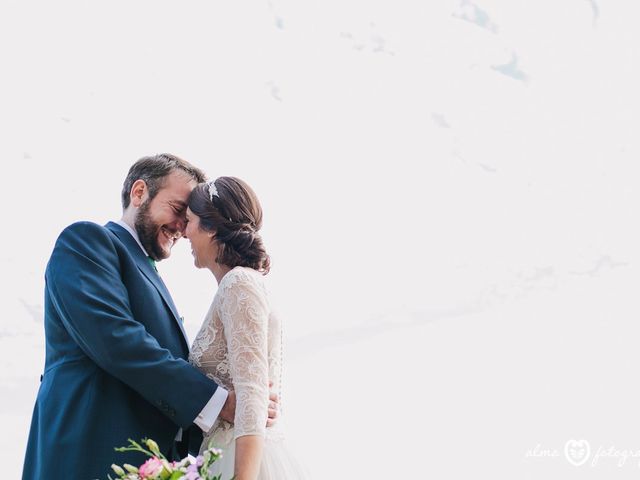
point(244, 314)
point(248, 449)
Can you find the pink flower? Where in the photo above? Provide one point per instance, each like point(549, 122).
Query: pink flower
point(151, 469)
point(192, 473)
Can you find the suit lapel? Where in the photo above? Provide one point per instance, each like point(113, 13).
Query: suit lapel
point(148, 271)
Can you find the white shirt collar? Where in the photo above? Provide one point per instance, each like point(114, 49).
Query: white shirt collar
point(133, 233)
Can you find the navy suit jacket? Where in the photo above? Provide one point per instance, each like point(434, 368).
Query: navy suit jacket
point(116, 359)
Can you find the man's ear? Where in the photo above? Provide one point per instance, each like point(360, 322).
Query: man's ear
point(139, 193)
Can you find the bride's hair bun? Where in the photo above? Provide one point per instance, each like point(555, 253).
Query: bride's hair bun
point(230, 208)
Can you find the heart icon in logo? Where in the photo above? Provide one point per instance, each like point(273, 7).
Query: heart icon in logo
point(577, 452)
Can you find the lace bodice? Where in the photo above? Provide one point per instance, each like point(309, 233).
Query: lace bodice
point(240, 347)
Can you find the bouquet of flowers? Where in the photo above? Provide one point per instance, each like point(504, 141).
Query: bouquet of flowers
point(159, 468)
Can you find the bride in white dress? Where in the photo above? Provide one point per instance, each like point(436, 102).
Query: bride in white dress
point(240, 343)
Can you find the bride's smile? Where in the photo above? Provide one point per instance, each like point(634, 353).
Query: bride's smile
point(203, 245)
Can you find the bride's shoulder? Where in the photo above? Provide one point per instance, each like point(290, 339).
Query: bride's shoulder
point(242, 277)
point(241, 286)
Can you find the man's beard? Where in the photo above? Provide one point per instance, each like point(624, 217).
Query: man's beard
point(148, 231)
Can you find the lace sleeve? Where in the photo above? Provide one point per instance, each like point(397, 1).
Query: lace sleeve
point(244, 314)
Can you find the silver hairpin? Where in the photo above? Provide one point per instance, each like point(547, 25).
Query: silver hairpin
point(213, 191)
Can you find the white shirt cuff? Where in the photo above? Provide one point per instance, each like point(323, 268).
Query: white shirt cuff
point(207, 417)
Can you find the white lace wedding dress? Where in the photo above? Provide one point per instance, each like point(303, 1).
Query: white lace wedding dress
point(240, 347)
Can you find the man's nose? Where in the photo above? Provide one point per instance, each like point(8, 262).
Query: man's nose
point(181, 226)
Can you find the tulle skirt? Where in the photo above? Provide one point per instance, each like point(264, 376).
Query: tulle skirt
point(278, 463)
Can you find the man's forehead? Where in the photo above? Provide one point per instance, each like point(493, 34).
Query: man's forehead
point(175, 197)
point(178, 202)
point(177, 186)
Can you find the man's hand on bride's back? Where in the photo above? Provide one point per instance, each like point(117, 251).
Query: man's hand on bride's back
point(273, 408)
point(228, 412)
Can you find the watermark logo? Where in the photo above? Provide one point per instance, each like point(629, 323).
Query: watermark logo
point(577, 452)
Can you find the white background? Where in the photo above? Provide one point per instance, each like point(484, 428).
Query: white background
point(450, 192)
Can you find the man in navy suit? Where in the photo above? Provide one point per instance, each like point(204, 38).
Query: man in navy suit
point(116, 352)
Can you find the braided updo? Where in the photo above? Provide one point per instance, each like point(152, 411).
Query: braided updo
point(230, 208)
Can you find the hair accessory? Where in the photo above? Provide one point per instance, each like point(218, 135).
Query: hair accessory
point(213, 191)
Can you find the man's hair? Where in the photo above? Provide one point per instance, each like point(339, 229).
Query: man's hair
point(154, 170)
